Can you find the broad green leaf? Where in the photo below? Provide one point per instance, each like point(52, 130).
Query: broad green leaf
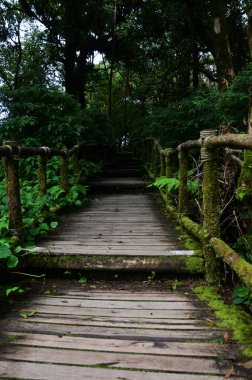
point(82, 280)
point(44, 226)
point(11, 290)
point(18, 249)
point(54, 224)
point(12, 261)
point(34, 231)
point(5, 252)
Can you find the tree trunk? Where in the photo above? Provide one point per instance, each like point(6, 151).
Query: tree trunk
point(221, 48)
point(250, 49)
point(214, 34)
point(112, 62)
point(75, 54)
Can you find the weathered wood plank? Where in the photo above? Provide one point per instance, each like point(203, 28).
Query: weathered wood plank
point(107, 304)
point(119, 345)
point(122, 313)
point(185, 325)
point(37, 371)
point(118, 296)
point(115, 331)
point(115, 360)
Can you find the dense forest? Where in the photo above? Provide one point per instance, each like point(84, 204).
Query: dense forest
point(102, 70)
point(117, 72)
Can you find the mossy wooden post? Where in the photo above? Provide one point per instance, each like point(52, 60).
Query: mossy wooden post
point(11, 169)
point(183, 196)
point(211, 207)
point(42, 161)
point(64, 172)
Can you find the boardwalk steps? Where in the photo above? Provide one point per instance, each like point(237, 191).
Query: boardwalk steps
point(108, 333)
point(116, 232)
point(119, 231)
point(115, 330)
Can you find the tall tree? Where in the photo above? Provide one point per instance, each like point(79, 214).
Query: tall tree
point(210, 23)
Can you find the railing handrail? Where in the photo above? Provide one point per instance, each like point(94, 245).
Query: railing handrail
point(11, 152)
point(209, 231)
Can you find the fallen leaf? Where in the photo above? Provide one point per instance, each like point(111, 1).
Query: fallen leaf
point(229, 372)
point(27, 314)
point(209, 320)
point(226, 337)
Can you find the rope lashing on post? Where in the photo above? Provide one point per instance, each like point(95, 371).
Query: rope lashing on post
point(205, 153)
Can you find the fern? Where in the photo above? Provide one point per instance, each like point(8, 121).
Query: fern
point(173, 184)
point(169, 183)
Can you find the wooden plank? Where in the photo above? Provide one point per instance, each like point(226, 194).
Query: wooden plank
point(115, 331)
point(119, 296)
point(123, 313)
point(115, 360)
point(107, 304)
point(38, 371)
point(127, 323)
point(57, 250)
point(119, 345)
point(165, 323)
point(115, 243)
point(112, 244)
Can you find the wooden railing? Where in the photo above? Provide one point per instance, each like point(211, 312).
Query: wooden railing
point(207, 232)
point(11, 154)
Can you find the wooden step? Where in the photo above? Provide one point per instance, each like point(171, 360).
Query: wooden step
point(68, 331)
point(120, 232)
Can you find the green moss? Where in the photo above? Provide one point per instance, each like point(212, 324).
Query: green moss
point(194, 265)
point(241, 267)
point(248, 352)
point(231, 317)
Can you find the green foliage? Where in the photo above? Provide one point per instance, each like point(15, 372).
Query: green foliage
point(206, 108)
point(83, 280)
point(39, 213)
point(150, 278)
point(27, 314)
point(40, 116)
point(241, 296)
point(6, 254)
point(175, 284)
point(14, 290)
point(173, 184)
point(169, 183)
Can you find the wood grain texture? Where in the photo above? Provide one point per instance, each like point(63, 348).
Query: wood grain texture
point(123, 226)
point(127, 334)
point(63, 330)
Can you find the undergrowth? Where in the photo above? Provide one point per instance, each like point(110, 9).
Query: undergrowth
point(40, 214)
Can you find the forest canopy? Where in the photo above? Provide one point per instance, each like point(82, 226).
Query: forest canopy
point(100, 70)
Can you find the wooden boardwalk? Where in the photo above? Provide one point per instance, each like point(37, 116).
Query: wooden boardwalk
point(116, 232)
point(76, 332)
point(114, 331)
